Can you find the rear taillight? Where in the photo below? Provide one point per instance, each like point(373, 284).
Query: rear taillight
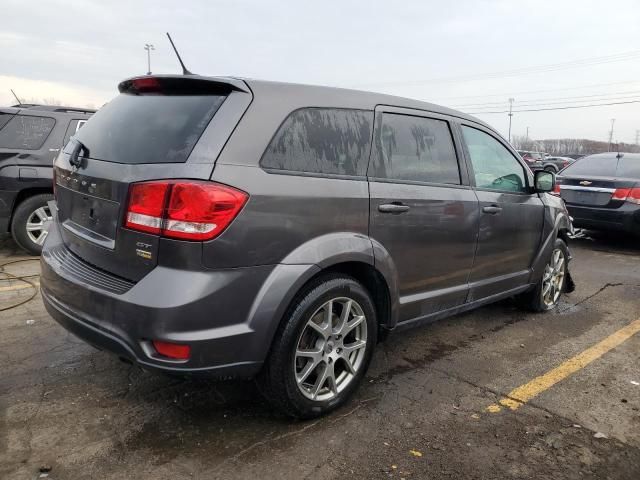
point(631, 195)
point(556, 190)
point(183, 209)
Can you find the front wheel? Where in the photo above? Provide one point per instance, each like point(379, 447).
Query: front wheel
point(322, 349)
point(546, 294)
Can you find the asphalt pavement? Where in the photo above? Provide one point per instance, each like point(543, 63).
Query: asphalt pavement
point(492, 394)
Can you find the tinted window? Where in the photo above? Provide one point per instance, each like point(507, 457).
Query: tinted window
point(607, 166)
point(596, 166)
point(26, 132)
point(322, 140)
point(493, 165)
point(148, 128)
point(71, 130)
point(629, 167)
point(417, 149)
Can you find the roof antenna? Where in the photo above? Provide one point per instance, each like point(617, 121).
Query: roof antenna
point(16, 96)
point(184, 69)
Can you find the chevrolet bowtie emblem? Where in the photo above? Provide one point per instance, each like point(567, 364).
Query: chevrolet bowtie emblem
point(585, 182)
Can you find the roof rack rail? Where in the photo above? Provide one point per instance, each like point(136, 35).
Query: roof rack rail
point(54, 108)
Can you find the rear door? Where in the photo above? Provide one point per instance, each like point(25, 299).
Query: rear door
point(422, 209)
point(157, 128)
point(511, 215)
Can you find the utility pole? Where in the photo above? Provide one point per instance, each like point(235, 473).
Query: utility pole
point(511, 100)
point(148, 47)
point(613, 121)
point(527, 134)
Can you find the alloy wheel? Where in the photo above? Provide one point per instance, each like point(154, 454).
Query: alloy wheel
point(331, 349)
point(553, 278)
point(38, 224)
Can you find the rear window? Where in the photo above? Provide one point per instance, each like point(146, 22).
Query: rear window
point(595, 166)
point(629, 167)
point(322, 140)
point(416, 149)
point(26, 132)
point(148, 128)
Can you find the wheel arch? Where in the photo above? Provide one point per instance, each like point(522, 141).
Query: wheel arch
point(23, 195)
point(287, 280)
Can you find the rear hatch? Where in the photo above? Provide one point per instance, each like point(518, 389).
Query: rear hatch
point(158, 128)
point(597, 181)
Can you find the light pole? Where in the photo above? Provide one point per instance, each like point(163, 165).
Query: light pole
point(148, 47)
point(613, 121)
point(511, 100)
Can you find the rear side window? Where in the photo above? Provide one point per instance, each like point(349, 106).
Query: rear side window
point(322, 140)
point(415, 149)
point(148, 128)
point(593, 166)
point(72, 129)
point(26, 132)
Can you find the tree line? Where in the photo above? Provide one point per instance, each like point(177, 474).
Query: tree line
point(571, 146)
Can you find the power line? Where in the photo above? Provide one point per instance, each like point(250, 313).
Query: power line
point(579, 87)
point(620, 57)
point(559, 108)
point(608, 96)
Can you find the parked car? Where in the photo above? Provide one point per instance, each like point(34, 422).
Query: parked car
point(602, 191)
point(227, 227)
point(533, 159)
point(30, 138)
point(555, 164)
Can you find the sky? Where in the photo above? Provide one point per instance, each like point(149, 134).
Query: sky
point(469, 55)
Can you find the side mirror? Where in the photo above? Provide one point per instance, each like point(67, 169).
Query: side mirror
point(544, 181)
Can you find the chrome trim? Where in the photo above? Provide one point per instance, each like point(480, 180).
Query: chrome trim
point(587, 189)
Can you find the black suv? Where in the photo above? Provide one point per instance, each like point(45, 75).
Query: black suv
point(30, 138)
point(226, 227)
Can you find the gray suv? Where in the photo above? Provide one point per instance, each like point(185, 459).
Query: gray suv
point(226, 227)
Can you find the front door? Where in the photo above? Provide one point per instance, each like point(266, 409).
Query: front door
point(422, 210)
point(511, 216)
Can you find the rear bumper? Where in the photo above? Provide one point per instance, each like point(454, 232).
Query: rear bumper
point(209, 310)
point(623, 219)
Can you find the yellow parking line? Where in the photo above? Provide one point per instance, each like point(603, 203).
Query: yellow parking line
point(20, 286)
point(526, 392)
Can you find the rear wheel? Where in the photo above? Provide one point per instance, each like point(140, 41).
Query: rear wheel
point(546, 294)
point(550, 169)
point(322, 349)
point(31, 221)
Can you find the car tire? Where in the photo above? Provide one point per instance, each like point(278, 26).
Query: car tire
point(31, 213)
point(553, 282)
point(313, 369)
point(550, 169)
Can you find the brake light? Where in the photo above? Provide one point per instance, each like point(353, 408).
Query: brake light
point(182, 209)
point(146, 84)
point(631, 195)
point(556, 190)
point(176, 351)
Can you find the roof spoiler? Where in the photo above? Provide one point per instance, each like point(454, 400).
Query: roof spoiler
point(181, 84)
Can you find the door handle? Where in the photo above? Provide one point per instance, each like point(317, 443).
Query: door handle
point(393, 208)
point(493, 209)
